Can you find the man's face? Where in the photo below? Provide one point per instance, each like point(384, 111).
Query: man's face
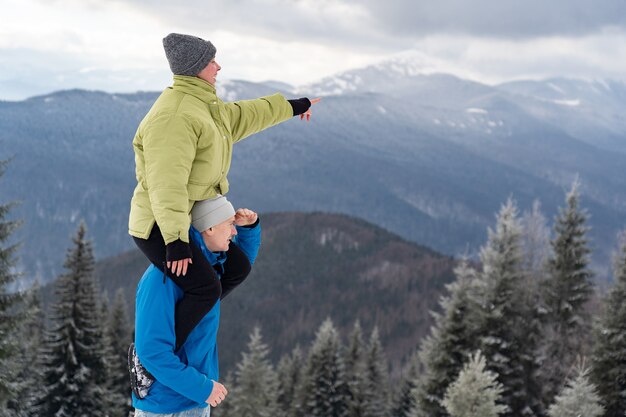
point(209, 73)
point(217, 238)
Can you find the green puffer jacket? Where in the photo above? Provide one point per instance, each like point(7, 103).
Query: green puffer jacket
point(183, 149)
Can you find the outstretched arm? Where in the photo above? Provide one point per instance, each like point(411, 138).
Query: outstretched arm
point(251, 116)
point(247, 117)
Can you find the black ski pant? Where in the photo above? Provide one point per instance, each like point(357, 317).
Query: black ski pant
point(201, 286)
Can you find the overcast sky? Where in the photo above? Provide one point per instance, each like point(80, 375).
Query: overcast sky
point(115, 46)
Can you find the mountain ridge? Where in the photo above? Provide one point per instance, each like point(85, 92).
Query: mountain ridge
point(431, 160)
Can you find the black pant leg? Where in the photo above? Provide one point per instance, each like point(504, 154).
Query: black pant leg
point(236, 269)
point(201, 287)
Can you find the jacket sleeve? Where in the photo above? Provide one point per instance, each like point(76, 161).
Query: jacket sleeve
point(170, 145)
point(249, 240)
point(247, 117)
point(155, 340)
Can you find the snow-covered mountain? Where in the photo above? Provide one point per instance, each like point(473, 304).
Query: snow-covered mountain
point(429, 156)
point(592, 111)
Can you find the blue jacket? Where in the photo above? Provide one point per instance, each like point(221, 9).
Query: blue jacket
point(184, 379)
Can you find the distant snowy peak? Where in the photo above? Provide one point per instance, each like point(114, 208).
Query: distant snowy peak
point(476, 110)
point(376, 77)
point(338, 84)
point(411, 64)
point(569, 92)
point(335, 85)
point(570, 103)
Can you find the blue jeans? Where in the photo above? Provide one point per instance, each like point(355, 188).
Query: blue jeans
point(194, 412)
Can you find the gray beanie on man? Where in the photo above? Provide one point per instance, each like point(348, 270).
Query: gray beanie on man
point(208, 213)
point(187, 55)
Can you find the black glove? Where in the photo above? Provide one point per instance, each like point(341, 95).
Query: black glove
point(177, 250)
point(300, 105)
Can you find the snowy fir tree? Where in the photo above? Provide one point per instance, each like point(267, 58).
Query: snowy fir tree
point(354, 362)
point(118, 338)
point(567, 291)
point(506, 338)
point(116, 405)
point(535, 252)
point(255, 393)
point(453, 337)
point(110, 401)
point(290, 374)
point(376, 394)
point(535, 243)
point(74, 362)
point(476, 392)
point(11, 315)
point(325, 389)
point(608, 361)
point(404, 400)
point(578, 399)
point(31, 335)
point(353, 353)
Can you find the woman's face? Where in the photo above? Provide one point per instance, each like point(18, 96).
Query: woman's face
point(209, 73)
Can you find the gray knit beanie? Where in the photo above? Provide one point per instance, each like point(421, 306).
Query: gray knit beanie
point(187, 55)
point(208, 213)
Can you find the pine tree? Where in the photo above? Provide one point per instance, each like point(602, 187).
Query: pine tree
point(113, 403)
point(325, 388)
point(475, 393)
point(11, 315)
point(255, 393)
point(106, 351)
point(376, 379)
point(608, 366)
point(567, 291)
point(404, 401)
point(31, 334)
point(290, 379)
point(506, 338)
point(118, 338)
point(535, 252)
point(578, 398)
point(354, 362)
point(535, 242)
point(453, 337)
point(74, 367)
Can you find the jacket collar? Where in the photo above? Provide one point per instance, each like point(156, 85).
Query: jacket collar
point(196, 87)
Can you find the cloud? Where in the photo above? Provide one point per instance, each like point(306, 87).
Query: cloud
point(498, 18)
point(375, 24)
point(115, 45)
point(494, 60)
point(336, 22)
point(26, 73)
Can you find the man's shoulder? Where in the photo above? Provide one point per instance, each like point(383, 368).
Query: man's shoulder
point(155, 283)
